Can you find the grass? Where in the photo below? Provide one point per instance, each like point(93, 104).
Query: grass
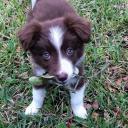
point(106, 96)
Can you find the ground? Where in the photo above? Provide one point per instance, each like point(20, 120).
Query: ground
point(106, 67)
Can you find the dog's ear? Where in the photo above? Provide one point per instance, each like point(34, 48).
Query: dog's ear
point(29, 34)
point(78, 26)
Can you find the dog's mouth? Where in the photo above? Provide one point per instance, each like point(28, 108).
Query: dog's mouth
point(65, 82)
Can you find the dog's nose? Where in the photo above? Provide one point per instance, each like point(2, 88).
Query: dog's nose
point(62, 77)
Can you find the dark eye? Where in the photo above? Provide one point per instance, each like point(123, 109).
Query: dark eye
point(69, 51)
point(46, 55)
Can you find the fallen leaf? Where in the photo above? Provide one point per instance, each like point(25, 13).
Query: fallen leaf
point(95, 115)
point(118, 81)
point(117, 112)
point(114, 70)
point(69, 122)
point(125, 78)
point(109, 87)
point(95, 105)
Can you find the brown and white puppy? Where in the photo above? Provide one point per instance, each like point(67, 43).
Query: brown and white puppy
point(55, 35)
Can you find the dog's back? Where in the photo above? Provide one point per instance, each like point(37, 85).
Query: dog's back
point(47, 10)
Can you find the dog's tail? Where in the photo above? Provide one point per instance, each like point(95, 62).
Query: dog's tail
point(33, 3)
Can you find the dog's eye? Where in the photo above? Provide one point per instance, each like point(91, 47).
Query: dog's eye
point(69, 51)
point(46, 55)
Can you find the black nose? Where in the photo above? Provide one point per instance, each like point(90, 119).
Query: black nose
point(62, 77)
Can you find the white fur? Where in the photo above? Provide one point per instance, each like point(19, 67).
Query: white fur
point(38, 99)
point(73, 80)
point(39, 71)
point(77, 103)
point(56, 38)
point(33, 3)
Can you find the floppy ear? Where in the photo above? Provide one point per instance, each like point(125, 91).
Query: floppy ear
point(78, 26)
point(29, 34)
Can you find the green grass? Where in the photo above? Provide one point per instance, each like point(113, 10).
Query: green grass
point(106, 56)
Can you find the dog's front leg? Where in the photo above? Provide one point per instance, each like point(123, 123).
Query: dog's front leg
point(77, 103)
point(37, 102)
point(33, 3)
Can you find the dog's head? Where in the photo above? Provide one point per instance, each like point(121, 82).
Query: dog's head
point(56, 45)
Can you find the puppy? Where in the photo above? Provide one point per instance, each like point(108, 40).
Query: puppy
point(55, 36)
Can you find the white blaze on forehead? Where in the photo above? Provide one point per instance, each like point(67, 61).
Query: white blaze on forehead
point(56, 36)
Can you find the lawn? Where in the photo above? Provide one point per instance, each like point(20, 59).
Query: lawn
point(106, 67)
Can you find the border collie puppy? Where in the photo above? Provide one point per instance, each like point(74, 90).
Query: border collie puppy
point(55, 36)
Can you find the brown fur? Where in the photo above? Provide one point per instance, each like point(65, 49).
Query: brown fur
point(34, 35)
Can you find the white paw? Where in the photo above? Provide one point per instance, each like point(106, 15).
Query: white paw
point(31, 109)
point(80, 112)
